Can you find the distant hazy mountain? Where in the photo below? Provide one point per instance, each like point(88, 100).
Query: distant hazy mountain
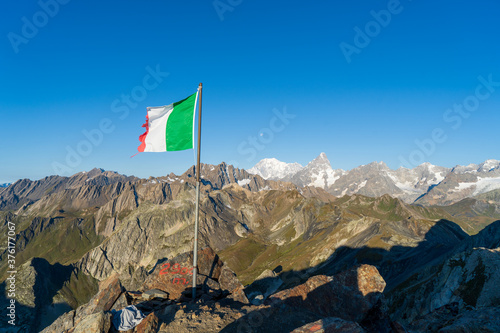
point(376, 179)
point(4, 185)
point(464, 182)
point(427, 184)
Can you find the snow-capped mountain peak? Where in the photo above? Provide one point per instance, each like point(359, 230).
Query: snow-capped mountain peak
point(271, 168)
point(318, 172)
point(489, 165)
point(486, 166)
point(322, 159)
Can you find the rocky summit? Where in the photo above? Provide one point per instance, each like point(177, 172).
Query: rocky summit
point(99, 251)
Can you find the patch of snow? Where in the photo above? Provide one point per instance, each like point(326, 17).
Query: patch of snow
point(360, 186)
point(320, 172)
point(438, 173)
point(486, 184)
point(267, 188)
point(318, 181)
point(440, 176)
point(90, 179)
point(243, 182)
point(407, 186)
point(182, 180)
point(463, 186)
point(482, 185)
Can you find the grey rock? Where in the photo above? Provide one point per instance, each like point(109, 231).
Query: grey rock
point(63, 323)
point(99, 322)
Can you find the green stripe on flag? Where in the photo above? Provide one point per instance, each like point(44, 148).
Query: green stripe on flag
point(179, 130)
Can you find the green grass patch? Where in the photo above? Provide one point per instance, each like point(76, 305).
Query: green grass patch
point(79, 289)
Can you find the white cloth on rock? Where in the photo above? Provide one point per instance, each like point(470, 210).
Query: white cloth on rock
point(127, 318)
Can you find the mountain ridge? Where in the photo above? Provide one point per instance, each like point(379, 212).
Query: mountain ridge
point(422, 184)
point(102, 226)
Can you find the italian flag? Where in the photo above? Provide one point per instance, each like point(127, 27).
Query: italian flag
point(169, 128)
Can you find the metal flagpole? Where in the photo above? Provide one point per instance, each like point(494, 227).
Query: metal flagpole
point(198, 171)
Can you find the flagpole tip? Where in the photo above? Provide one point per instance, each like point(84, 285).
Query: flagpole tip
point(200, 85)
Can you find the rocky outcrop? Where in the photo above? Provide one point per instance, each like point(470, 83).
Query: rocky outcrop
point(467, 280)
point(169, 283)
point(99, 322)
point(174, 276)
point(109, 291)
point(349, 295)
point(481, 320)
point(449, 319)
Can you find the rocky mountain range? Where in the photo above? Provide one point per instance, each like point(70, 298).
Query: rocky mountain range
point(98, 241)
point(425, 184)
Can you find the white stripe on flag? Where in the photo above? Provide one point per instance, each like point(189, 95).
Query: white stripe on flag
point(158, 116)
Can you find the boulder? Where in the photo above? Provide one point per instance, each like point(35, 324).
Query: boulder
point(149, 324)
point(121, 302)
point(229, 282)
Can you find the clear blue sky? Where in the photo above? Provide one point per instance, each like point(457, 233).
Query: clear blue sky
point(65, 69)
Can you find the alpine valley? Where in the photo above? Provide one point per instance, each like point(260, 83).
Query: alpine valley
point(282, 248)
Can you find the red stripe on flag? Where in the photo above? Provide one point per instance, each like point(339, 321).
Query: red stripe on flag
point(142, 137)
